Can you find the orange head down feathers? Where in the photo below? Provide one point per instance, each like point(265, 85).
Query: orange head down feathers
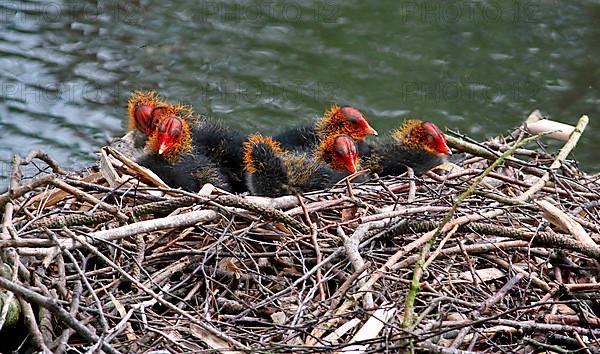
point(416, 134)
point(339, 152)
point(344, 120)
point(171, 138)
point(254, 140)
point(147, 108)
point(140, 107)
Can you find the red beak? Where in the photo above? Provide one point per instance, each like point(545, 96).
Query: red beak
point(370, 130)
point(350, 164)
point(445, 149)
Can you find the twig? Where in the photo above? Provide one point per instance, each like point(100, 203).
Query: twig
point(169, 222)
point(410, 299)
point(89, 198)
point(313, 237)
point(205, 326)
point(56, 309)
point(351, 246)
point(26, 188)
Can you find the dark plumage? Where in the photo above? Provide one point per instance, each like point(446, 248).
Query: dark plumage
point(177, 161)
point(190, 173)
point(273, 172)
point(391, 159)
point(337, 120)
point(419, 145)
point(224, 147)
point(298, 138)
point(267, 173)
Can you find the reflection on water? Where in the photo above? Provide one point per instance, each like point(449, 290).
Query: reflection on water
point(66, 69)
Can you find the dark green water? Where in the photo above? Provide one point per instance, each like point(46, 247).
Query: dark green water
point(66, 69)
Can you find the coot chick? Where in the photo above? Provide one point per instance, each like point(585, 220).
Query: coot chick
point(416, 144)
point(178, 162)
point(272, 171)
point(224, 146)
point(337, 120)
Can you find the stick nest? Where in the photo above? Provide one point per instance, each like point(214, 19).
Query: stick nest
point(105, 259)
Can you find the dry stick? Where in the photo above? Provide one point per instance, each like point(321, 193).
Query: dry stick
point(83, 278)
point(524, 166)
point(341, 291)
point(31, 323)
point(169, 222)
point(472, 249)
point(561, 219)
point(484, 305)
point(140, 251)
point(477, 150)
point(122, 325)
point(183, 220)
point(319, 205)
point(545, 327)
point(429, 347)
point(56, 309)
point(351, 246)
point(61, 342)
point(572, 320)
point(433, 235)
point(582, 286)
point(206, 326)
point(258, 203)
point(42, 155)
point(313, 237)
point(89, 198)
point(45, 319)
point(549, 348)
point(402, 212)
point(21, 190)
point(504, 264)
point(582, 343)
point(371, 329)
point(562, 155)
point(265, 211)
point(500, 294)
point(545, 239)
point(13, 258)
point(300, 280)
point(412, 190)
point(164, 206)
point(440, 247)
point(360, 233)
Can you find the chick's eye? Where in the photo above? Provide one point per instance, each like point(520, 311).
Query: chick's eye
point(430, 138)
point(175, 131)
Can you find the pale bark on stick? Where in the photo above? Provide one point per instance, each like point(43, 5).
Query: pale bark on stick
point(169, 222)
point(371, 329)
point(566, 223)
point(536, 124)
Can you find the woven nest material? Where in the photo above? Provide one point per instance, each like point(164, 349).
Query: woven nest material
point(466, 258)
